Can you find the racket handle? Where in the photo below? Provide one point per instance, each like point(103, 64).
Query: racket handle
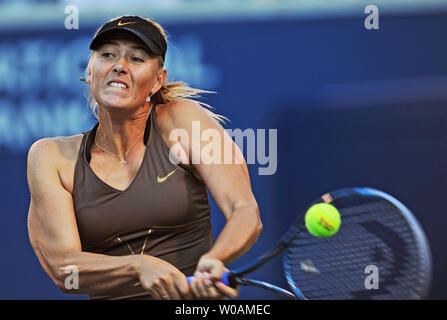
point(225, 278)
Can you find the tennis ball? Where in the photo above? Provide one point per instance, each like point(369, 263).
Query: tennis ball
point(322, 220)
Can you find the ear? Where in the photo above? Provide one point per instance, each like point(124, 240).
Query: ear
point(89, 77)
point(161, 78)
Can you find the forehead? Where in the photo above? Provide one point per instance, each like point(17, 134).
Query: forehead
point(123, 38)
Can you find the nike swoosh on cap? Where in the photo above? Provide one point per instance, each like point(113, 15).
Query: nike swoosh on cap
point(124, 23)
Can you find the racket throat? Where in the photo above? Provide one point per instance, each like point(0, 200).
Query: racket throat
point(267, 286)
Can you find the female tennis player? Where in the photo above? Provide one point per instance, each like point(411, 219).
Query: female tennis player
point(112, 204)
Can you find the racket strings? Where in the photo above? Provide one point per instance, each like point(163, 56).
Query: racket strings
point(373, 233)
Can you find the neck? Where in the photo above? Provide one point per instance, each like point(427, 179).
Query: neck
point(117, 133)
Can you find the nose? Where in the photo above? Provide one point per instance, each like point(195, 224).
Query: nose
point(121, 66)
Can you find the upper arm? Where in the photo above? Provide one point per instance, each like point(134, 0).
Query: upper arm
point(51, 220)
point(224, 170)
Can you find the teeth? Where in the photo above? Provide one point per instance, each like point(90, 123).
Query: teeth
point(117, 84)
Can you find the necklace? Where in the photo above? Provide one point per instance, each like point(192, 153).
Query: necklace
point(122, 160)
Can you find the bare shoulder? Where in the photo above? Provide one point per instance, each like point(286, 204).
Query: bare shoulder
point(56, 156)
point(181, 113)
point(56, 149)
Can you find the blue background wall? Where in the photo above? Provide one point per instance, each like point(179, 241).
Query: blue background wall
point(352, 107)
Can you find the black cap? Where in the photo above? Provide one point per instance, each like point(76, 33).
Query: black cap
point(143, 29)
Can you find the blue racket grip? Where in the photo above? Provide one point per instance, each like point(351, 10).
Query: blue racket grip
point(225, 278)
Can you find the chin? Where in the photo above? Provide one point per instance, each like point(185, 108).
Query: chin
point(116, 102)
point(120, 103)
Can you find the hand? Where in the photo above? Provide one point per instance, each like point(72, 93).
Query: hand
point(206, 282)
point(162, 279)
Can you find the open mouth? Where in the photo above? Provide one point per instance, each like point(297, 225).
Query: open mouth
point(117, 84)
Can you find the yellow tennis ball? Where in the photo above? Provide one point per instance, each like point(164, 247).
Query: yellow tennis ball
point(322, 220)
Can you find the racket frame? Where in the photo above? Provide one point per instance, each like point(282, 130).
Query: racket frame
point(236, 276)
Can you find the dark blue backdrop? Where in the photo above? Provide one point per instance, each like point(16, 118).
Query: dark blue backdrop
point(352, 107)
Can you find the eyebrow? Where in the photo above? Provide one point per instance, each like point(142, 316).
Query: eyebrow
point(133, 47)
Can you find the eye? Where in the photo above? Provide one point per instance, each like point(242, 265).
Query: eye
point(108, 55)
point(137, 59)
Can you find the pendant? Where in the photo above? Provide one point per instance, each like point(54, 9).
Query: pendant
point(122, 162)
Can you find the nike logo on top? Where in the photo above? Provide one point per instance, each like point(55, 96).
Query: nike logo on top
point(160, 180)
point(124, 23)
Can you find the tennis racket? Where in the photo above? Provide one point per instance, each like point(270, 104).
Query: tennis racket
point(378, 237)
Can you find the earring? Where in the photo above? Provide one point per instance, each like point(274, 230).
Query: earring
point(149, 98)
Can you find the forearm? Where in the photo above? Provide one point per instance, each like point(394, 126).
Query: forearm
point(97, 273)
point(240, 232)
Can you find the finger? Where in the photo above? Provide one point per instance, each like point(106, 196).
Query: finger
point(170, 289)
point(150, 288)
point(207, 291)
point(212, 292)
point(154, 294)
point(203, 291)
point(207, 280)
point(162, 292)
point(183, 288)
point(194, 289)
point(227, 291)
point(201, 287)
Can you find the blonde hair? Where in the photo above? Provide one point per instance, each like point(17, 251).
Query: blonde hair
point(169, 92)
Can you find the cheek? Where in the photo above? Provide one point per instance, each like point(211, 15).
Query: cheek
point(95, 87)
point(143, 84)
point(97, 77)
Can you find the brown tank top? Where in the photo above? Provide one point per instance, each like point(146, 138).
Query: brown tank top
point(164, 212)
